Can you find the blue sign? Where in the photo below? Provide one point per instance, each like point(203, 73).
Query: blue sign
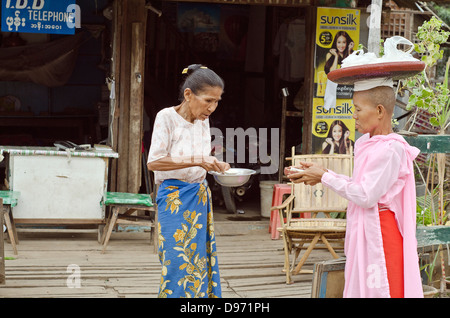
point(40, 16)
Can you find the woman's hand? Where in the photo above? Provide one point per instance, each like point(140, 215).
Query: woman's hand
point(224, 165)
point(210, 163)
point(351, 45)
point(347, 135)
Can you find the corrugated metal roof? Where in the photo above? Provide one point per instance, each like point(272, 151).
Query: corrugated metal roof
point(293, 3)
point(411, 4)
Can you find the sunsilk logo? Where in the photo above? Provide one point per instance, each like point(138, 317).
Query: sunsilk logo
point(345, 108)
point(349, 19)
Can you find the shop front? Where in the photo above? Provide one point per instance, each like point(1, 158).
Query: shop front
point(122, 63)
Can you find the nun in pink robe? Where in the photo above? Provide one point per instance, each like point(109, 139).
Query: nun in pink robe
point(383, 176)
point(383, 180)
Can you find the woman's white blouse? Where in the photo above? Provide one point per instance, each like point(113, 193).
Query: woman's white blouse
point(173, 136)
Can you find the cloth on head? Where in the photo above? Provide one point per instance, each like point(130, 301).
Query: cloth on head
point(372, 83)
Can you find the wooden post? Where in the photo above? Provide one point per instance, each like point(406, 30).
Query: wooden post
point(374, 21)
point(124, 99)
point(136, 106)
point(310, 24)
point(2, 247)
point(285, 94)
point(129, 54)
point(113, 131)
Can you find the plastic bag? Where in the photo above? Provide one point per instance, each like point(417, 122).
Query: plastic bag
point(391, 54)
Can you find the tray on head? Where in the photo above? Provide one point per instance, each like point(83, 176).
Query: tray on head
point(395, 70)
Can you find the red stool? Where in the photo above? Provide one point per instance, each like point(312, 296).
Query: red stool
point(279, 190)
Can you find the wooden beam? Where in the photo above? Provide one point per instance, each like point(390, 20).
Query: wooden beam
point(284, 3)
point(310, 23)
point(2, 247)
point(136, 106)
point(113, 124)
point(430, 143)
point(129, 51)
point(124, 99)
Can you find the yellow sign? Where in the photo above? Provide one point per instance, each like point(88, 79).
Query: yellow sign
point(334, 128)
point(337, 36)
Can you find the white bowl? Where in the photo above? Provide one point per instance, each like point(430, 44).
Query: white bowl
point(234, 177)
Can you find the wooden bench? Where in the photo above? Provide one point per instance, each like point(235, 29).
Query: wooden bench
point(2, 248)
point(10, 199)
point(123, 205)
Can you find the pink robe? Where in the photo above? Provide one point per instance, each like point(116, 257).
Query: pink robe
point(383, 175)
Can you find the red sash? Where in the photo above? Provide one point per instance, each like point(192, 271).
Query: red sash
point(393, 251)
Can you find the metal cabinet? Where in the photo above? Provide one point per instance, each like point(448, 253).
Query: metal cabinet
point(58, 187)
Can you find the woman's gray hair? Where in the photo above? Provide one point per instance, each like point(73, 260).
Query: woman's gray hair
point(197, 77)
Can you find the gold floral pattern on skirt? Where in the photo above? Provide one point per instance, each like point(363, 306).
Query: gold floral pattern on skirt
point(187, 248)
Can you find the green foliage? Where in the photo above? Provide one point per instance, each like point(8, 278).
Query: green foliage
point(429, 268)
point(431, 37)
point(443, 11)
point(426, 208)
point(433, 98)
point(394, 121)
point(381, 47)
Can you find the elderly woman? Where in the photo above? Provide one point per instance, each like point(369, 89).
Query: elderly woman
point(180, 158)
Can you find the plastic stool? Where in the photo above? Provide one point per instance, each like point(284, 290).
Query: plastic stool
point(279, 190)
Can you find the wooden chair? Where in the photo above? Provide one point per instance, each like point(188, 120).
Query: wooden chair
point(313, 232)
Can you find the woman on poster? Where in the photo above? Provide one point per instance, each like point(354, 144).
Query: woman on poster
point(341, 48)
point(338, 140)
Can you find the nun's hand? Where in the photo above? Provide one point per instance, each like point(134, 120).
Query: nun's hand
point(311, 175)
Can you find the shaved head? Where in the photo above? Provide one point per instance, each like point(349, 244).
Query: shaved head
point(373, 110)
point(381, 95)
